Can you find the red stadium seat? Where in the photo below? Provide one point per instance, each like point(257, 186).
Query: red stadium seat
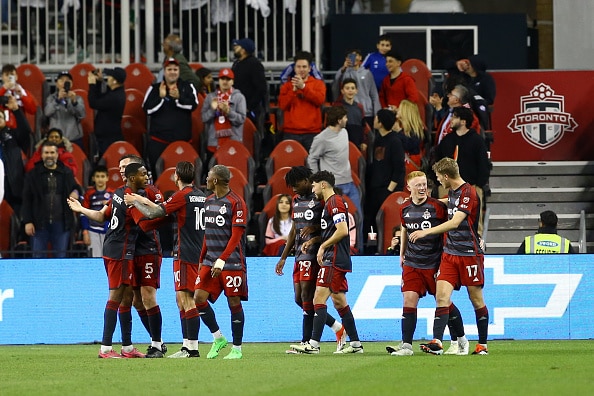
point(357, 161)
point(240, 185)
point(266, 213)
point(134, 132)
point(6, 213)
point(114, 179)
point(388, 217)
point(83, 166)
point(286, 153)
point(133, 107)
point(87, 123)
point(251, 138)
point(420, 73)
point(277, 185)
point(115, 151)
point(166, 181)
point(176, 152)
point(234, 153)
point(138, 76)
point(79, 74)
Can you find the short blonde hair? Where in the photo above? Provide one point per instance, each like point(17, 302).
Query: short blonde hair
point(414, 174)
point(447, 166)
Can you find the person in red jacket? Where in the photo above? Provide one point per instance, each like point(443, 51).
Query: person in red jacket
point(301, 100)
point(64, 151)
point(11, 87)
point(397, 85)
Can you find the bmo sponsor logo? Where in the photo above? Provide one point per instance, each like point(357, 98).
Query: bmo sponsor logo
point(542, 120)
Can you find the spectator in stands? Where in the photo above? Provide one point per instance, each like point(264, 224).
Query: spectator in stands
point(411, 132)
point(33, 14)
point(366, 90)
point(223, 113)
point(11, 87)
point(172, 48)
point(480, 81)
point(301, 100)
point(278, 228)
point(328, 153)
point(45, 212)
point(1, 181)
point(385, 172)
point(394, 248)
point(95, 198)
point(169, 104)
point(376, 61)
point(397, 85)
point(250, 80)
point(458, 96)
point(546, 240)
point(13, 142)
point(65, 109)
point(207, 84)
point(64, 151)
point(356, 126)
point(109, 105)
point(468, 149)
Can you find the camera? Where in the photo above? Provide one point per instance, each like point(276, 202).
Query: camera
point(67, 86)
point(4, 100)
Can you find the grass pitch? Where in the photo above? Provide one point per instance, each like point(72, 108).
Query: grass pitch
point(512, 368)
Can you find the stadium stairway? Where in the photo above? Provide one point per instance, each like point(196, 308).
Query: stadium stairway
point(520, 191)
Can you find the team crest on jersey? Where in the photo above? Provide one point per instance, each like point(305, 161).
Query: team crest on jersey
point(542, 120)
point(223, 210)
point(311, 204)
point(466, 200)
point(240, 213)
point(334, 210)
point(426, 215)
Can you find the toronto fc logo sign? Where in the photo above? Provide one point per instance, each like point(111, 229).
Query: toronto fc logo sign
point(542, 120)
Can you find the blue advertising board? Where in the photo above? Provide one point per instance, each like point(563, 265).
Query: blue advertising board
point(61, 301)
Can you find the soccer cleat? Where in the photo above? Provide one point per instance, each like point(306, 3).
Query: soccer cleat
point(349, 349)
point(292, 351)
point(401, 349)
point(134, 353)
point(234, 354)
point(184, 353)
point(480, 350)
point(453, 349)
point(463, 347)
point(434, 347)
point(154, 353)
point(341, 336)
point(216, 347)
point(163, 348)
point(109, 355)
point(306, 348)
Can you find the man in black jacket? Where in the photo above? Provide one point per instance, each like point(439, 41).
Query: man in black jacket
point(169, 104)
point(109, 105)
point(45, 212)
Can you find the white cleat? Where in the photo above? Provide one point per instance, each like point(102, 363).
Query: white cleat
point(453, 349)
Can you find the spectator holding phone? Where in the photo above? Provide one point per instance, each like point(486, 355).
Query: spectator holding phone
point(65, 109)
point(11, 87)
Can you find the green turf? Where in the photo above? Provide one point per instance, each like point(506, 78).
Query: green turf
point(512, 368)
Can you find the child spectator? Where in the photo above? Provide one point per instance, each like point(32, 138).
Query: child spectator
point(394, 248)
point(376, 61)
point(95, 198)
point(356, 126)
point(207, 84)
point(278, 227)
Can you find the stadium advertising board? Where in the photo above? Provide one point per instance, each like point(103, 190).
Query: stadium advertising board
point(529, 297)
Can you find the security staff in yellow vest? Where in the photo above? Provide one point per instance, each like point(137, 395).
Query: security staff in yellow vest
point(546, 240)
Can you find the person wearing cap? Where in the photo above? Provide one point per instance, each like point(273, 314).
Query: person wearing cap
point(385, 172)
point(172, 48)
point(169, 104)
point(546, 240)
point(65, 109)
point(397, 85)
point(109, 106)
point(224, 112)
point(301, 100)
point(250, 79)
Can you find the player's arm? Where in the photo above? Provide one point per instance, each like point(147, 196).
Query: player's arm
point(288, 246)
point(403, 243)
point(449, 225)
point(145, 206)
point(76, 206)
point(342, 230)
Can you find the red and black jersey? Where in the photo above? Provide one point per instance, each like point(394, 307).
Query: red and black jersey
point(148, 241)
point(425, 253)
point(187, 205)
point(336, 211)
point(464, 240)
point(307, 211)
point(221, 215)
point(120, 239)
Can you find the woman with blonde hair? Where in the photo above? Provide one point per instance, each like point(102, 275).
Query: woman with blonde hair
point(411, 132)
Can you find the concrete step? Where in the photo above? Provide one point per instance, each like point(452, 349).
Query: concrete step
point(512, 236)
point(561, 194)
point(530, 222)
point(540, 181)
point(530, 168)
point(534, 208)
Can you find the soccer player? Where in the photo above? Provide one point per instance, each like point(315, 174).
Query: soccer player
point(187, 206)
point(334, 259)
point(118, 256)
point(222, 260)
point(462, 261)
point(307, 212)
point(420, 262)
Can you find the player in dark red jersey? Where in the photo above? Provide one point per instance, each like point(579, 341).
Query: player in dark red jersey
point(118, 256)
point(307, 212)
point(222, 260)
point(420, 262)
point(462, 261)
point(187, 207)
point(334, 258)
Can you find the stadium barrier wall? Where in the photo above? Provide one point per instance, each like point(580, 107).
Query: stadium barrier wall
point(529, 297)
